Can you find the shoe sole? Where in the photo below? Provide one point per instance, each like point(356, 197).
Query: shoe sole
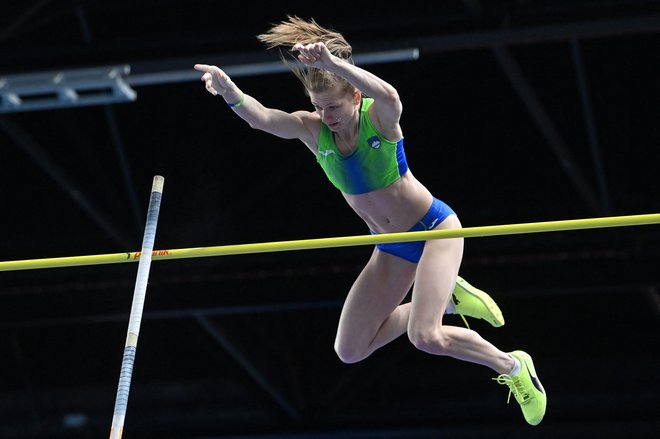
point(497, 318)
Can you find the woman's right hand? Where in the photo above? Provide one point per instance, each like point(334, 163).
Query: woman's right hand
point(215, 80)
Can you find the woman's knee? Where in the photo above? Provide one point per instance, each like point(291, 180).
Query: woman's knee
point(349, 352)
point(430, 340)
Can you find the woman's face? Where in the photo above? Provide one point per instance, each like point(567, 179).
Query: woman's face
point(337, 108)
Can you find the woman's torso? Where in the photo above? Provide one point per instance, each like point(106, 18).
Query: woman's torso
point(395, 208)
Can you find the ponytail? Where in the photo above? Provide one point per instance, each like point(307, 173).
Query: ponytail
point(294, 30)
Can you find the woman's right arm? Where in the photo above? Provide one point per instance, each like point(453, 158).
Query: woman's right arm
point(297, 125)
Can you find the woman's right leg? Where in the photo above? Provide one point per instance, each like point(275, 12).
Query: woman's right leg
point(373, 315)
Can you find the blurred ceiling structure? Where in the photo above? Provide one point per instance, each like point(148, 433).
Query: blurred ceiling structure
point(515, 111)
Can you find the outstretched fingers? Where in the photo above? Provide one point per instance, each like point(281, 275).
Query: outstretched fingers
point(203, 67)
point(212, 78)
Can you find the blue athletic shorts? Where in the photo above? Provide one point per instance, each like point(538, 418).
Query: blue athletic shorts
point(412, 251)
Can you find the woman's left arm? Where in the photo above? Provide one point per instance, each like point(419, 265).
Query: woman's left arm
point(387, 107)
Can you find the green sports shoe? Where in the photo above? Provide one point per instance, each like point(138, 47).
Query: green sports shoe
point(472, 302)
point(526, 388)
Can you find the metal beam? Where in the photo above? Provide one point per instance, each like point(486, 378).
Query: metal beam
point(117, 142)
point(171, 71)
point(540, 34)
point(590, 123)
point(526, 92)
point(180, 69)
point(176, 314)
point(124, 166)
point(64, 88)
point(168, 71)
point(254, 373)
point(23, 140)
point(626, 289)
point(9, 29)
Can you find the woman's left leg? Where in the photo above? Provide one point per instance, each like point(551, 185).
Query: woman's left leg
point(433, 286)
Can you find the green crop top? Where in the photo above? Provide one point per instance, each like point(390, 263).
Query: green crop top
point(374, 164)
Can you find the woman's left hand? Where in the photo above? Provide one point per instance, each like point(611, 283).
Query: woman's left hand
point(315, 54)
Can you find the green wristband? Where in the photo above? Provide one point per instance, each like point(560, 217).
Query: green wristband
point(239, 103)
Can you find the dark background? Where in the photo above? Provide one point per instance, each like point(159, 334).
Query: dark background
point(515, 111)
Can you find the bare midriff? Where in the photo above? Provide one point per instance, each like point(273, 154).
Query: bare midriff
point(395, 208)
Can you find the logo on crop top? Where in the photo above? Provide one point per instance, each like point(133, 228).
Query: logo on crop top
point(326, 153)
point(374, 142)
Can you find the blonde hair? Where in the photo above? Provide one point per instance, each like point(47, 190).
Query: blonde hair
point(294, 30)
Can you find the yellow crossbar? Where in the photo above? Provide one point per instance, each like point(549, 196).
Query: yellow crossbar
point(342, 241)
